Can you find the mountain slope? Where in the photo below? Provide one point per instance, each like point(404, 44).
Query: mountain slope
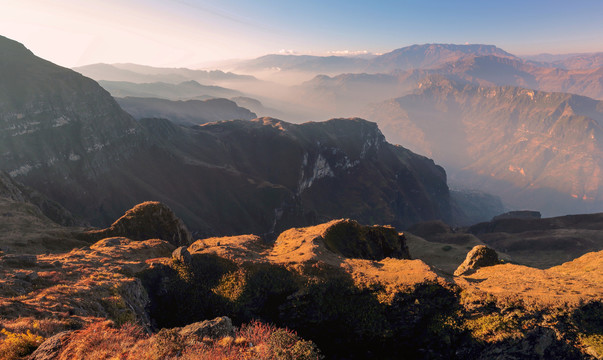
point(410, 57)
point(57, 128)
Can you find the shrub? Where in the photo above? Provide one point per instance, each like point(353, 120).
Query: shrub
point(493, 327)
point(17, 345)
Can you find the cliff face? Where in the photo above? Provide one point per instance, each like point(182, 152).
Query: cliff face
point(57, 126)
point(63, 135)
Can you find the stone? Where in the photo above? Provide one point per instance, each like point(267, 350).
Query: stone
point(215, 329)
point(148, 220)
point(182, 255)
point(479, 256)
point(51, 347)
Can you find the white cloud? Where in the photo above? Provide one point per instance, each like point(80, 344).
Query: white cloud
point(287, 52)
point(348, 52)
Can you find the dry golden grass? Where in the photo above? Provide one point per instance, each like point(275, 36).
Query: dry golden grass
point(567, 285)
point(444, 256)
point(64, 290)
point(236, 248)
point(253, 341)
point(394, 275)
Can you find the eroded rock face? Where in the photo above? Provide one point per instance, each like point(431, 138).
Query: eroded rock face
point(479, 256)
point(149, 220)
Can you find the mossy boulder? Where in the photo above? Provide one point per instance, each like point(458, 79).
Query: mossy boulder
point(479, 256)
point(352, 240)
point(148, 220)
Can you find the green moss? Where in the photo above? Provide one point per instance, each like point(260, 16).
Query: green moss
point(286, 345)
point(231, 285)
point(594, 343)
point(493, 327)
point(353, 240)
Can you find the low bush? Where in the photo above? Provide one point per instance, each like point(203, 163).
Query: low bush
point(18, 345)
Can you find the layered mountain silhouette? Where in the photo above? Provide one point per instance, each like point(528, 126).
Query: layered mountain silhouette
point(145, 74)
point(182, 91)
point(65, 136)
point(535, 149)
point(190, 112)
point(346, 93)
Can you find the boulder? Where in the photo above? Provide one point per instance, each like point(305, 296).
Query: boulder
point(479, 256)
point(51, 347)
point(352, 240)
point(215, 329)
point(182, 255)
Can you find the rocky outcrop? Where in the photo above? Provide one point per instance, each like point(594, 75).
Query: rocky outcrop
point(480, 256)
point(149, 220)
point(51, 347)
point(214, 329)
point(182, 255)
point(352, 240)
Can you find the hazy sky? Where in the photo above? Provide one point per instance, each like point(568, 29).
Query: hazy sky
point(189, 32)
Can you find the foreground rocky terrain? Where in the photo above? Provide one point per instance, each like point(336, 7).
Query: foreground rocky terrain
point(353, 290)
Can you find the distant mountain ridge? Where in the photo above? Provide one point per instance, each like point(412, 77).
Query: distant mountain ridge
point(406, 58)
point(188, 113)
point(144, 74)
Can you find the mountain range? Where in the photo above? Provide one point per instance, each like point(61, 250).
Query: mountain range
point(411, 57)
point(68, 138)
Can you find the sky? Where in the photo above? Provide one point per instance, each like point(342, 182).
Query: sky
point(196, 32)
